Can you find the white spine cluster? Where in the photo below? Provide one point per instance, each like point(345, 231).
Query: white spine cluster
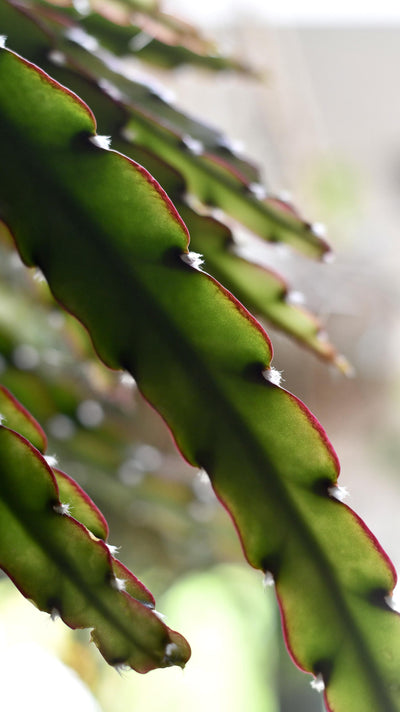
point(235, 145)
point(127, 380)
point(112, 549)
point(103, 142)
point(338, 492)
point(170, 650)
point(63, 509)
point(38, 276)
point(268, 580)
point(118, 583)
point(51, 461)
point(193, 144)
point(193, 259)
point(121, 667)
point(159, 615)
point(318, 683)
point(393, 602)
point(318, 229)
point(273, 376)
point(295, 298)
point(258, 190)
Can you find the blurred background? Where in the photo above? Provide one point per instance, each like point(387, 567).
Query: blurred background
point(322, 122)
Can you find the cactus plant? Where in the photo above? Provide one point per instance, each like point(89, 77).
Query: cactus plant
point(114, 250)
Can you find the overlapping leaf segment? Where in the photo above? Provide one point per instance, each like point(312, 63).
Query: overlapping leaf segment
point(114, 251)
point(53, 546)
point(195, 164)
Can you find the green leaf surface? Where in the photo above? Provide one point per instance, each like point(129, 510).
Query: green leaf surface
point(82, 508)
point(212, 171)
point(215, 182)
point(16, 417)
point(261, 291)
point(55, 561)
point(70, 495)
point(82, 50)
point(79, 504)
point(32, 28)
point(114, 251)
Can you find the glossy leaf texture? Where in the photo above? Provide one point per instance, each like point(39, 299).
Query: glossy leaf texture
point(51, 545)
point(113, 96)
point(114, 252)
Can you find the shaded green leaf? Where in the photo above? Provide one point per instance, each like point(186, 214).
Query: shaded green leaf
point(213, 172)
point(132, 585)
point(261, 291)
point(82, 50)
point(79, 504)
point(16, 417)
point(55, 561)
point(114, 251)
point(215, 181)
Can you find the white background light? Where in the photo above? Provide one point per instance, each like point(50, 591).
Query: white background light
point(290, 11)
